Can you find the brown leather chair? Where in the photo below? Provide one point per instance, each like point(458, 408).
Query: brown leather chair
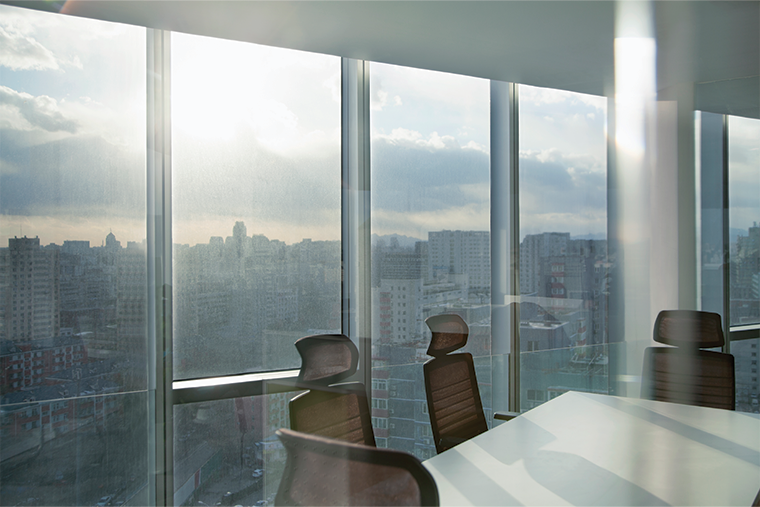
point(322, 471)
point(684, 373)
point(331, 409)
point(453, 398)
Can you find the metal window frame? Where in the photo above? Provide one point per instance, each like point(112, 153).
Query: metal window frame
point(159, 268)
point(356, 225)
point(505, 244)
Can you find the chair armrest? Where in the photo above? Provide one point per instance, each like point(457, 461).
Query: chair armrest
point(505, 416)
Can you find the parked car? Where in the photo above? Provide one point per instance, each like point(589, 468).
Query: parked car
point(103, 502)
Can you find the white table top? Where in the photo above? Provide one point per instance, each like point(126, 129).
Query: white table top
point(590, 449)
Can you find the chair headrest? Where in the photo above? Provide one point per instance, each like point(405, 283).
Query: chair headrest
point(326, 358)
point(689, 328)
point(450, 333)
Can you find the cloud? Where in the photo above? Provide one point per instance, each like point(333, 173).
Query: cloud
point(472, 216)
point(562, 192)
point(41, 112)
point(247, 180)
point(21, 52)
point(75, 176)
point(378, 99)
point(411, 138)
point(472, 145)
point(429, 182)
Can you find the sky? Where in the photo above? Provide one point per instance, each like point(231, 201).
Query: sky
point(256, 138)
point(72, 128)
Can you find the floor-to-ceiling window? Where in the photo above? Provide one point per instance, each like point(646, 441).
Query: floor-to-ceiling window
point(256, 190)
point(74, 410)
point(563, 244)
point(744, 255)
point(430, 236)
point(729, 214)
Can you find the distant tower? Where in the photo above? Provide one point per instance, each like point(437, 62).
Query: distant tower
point(239, 231)
point(31, 291)
point(239, 235)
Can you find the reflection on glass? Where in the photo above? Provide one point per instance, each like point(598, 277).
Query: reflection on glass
point(256, 197)
point(72, 296)
point(226, 452)
point(430, 241)
point(745, 354)
point(744, 219)
point(563, 251)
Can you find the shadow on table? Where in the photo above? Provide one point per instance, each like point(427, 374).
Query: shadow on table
point(569, 476)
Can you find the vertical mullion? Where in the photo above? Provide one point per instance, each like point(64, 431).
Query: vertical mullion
point(514, 176)
point(726, 245)
point(158, 166)
point(505, 246)
point(355, 210)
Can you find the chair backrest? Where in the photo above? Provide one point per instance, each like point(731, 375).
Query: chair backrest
point(684, 373)
point(689, 329)
point(331, 410)
point(454, 405)
point(326, 358)
point(322, 471)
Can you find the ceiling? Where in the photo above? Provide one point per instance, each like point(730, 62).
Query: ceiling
point(564, 44)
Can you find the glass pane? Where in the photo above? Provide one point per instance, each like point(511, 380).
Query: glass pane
point(709, 139)
point(256, 200)
point(430, 237)
point(73, 281)
point(745, 354)
point(744, 219)
point(226, 452)
point(563, 248)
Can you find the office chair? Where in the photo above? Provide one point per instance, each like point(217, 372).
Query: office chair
point(684, 373)
point(453, 398)
point(323, 471)
point(331, 409)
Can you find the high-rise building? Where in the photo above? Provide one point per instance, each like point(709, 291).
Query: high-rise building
point(30, 292)
point(534, 249)
point(461, 252)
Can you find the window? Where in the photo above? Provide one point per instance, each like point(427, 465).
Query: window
point(379, 384)
point(257, 229)
point(744, 217)
point(430, 219)
point(731, 287)
point(256, 203)
point(74, 128)
point(380, 423)
point(380, 403)
point(563, 248)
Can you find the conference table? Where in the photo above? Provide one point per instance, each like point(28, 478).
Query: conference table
point(592, 449)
